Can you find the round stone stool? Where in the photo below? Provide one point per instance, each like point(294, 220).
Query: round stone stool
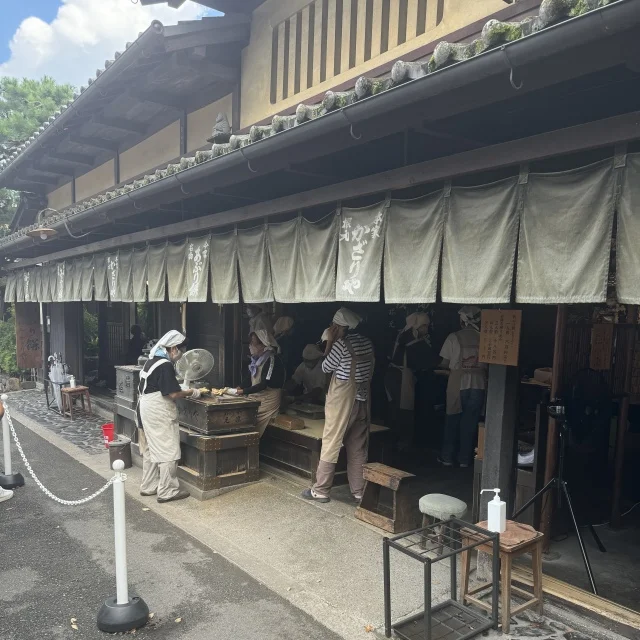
point(437, 507)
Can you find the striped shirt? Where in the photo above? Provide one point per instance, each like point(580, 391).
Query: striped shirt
point(339, 361)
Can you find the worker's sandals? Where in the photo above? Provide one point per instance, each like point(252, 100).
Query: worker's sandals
point(310, 494)
point(181, 495)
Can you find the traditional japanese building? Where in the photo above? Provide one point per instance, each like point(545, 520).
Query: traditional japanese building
point(362, 152)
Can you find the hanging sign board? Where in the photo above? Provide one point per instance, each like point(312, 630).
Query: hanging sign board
point(500, 336)
point(28, 336)
point(601, 347)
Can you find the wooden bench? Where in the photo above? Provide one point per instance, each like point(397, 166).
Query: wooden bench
point(395, 512)
point(69, 394)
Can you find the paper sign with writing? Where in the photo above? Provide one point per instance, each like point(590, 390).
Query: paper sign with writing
point(601, 347)
point(28, 336)
point(500, 336)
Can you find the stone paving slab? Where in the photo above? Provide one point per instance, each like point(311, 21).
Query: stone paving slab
point(85, 431)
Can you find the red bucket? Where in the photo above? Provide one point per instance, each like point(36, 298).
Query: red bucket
point(107, 433)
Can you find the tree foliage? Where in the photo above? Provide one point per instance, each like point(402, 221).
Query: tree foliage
point(24, 106)
point(8, 363)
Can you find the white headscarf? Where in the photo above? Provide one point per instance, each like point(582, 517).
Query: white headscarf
point(346, 318)
point(170, 339)
point(267, 339)
point(416, 320)
point(311, 352)
point(470, 316)
point(285, 323)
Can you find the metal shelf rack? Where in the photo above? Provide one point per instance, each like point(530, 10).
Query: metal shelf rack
point(449, 620)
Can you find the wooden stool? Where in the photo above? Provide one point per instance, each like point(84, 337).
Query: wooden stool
point(517, 540)
point(69, 394)
point(438, 507)
point(396, 515)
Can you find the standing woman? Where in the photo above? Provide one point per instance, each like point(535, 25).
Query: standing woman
point(158, 418)
point(267, 377)
point(412, 354)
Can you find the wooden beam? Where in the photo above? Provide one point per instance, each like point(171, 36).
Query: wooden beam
point(593, 135)
point(48, 168)
point(161, 99)
point(42, 179)
point(121, 124)
point(98, 143)
point(183, 133)
point(73, 158)
point(218, 35)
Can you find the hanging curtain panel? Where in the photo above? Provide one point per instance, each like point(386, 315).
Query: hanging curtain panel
point(255, 271)
point(412, 249)
point(318, 244)
point(360, 248)
point(75, 279)
point(224, 268)
point(125, 275)
point(113, 276)
point(177, 271)
point(139, 274)
point(20, 286)
point(45, 283)
point(197, 266)
point(87, 279)
point(29, 285)
point(10, 288)
point(283, 242)
point(628, 245)
point(157, 272)
point(36, 274)
point(565, 236)
point(480, 236)
point(53, 282)
point(100, 278)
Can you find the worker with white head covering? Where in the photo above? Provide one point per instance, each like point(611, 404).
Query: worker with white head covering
point(259, 319)
point(158, 418)
point(309, 380)
point(465, 389)
point(349, 357)
point(412, 354)
point(267, 377)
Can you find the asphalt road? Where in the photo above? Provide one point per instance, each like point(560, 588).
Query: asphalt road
point(56, 563)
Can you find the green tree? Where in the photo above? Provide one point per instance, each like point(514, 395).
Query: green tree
point(24, 106)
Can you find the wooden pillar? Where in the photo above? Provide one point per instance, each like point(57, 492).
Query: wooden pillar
point(551, 461)
point(498, 465)
point(623, 420)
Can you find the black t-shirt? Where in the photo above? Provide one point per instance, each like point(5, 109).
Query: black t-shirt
point(163, 378)
point(275, 381)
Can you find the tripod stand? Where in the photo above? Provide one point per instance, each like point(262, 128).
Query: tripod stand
point(560, 485)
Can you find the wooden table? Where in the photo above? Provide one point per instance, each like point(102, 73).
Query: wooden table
point(298, 452)
point(517, 540)
point(69, 394)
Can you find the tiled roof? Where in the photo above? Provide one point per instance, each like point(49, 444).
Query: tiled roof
point(494, 34)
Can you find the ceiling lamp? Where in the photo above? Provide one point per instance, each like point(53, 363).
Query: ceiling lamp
point(42, 231)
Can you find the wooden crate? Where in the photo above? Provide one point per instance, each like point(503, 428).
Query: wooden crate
point(127, 380)
point(219, 461)
point(209, 416)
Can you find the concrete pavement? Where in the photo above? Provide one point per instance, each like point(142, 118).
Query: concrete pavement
point(57, 564)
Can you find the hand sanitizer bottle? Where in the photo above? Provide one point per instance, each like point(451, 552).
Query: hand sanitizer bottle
point(497, 513)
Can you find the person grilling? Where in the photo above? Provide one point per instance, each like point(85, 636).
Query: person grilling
point(267, 377)
point(349, 357)
point(465, 389)
point(158, 418)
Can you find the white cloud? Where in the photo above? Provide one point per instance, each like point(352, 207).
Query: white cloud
point(82, 36)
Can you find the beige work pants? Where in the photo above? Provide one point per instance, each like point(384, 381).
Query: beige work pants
point(160, 477)
point(356, 444)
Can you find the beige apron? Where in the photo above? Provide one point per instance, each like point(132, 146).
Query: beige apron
point(339, 405)
point(468, 354)
point(160, 422)
point(269, 399)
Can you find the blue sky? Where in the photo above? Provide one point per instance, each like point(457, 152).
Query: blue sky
point(15, 12)
point(70, 39)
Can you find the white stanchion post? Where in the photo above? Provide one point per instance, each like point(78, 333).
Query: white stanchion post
point(8, 480)
point(121, 613)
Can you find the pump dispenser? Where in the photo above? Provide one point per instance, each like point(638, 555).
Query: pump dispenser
point(497, 513)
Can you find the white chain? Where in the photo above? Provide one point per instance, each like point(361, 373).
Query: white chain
point(71, 503)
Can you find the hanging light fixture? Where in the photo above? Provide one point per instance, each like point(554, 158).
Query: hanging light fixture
point(42, 231)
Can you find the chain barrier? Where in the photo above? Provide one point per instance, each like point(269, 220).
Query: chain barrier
point(71, 503)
